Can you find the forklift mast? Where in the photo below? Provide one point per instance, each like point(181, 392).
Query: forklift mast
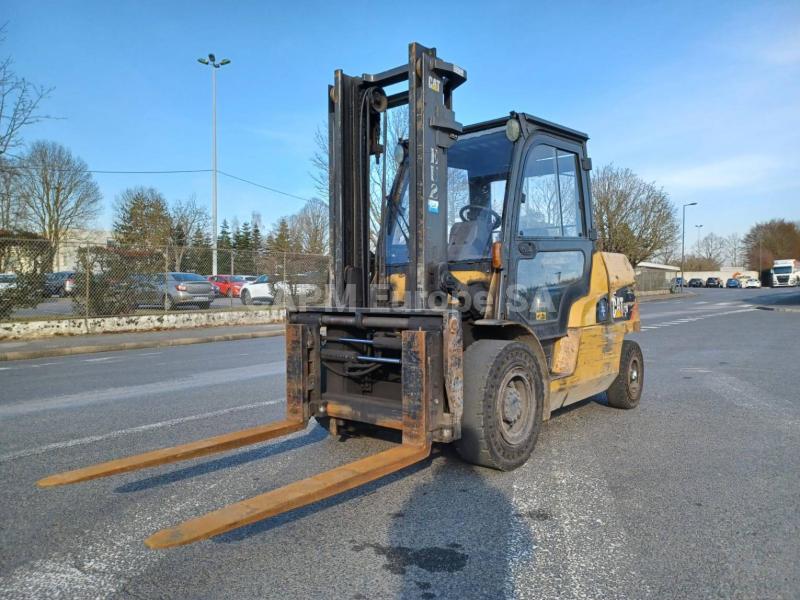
point(355, 106)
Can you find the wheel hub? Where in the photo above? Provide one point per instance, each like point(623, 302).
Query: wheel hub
point(512, 405)
point(515, 406)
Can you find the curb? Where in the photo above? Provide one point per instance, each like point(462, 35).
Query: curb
point(779, 308)
point(662, 297)
point(70, 350)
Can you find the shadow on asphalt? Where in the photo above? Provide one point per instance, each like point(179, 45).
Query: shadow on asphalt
point(457, 536)
point(315, 435)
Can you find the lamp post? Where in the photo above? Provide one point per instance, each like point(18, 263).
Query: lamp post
point(698, 237)
point(683, 239)
point(211, 61)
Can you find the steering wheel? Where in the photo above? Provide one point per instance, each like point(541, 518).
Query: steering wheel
point(495, 217)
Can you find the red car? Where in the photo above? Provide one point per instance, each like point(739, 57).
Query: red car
point(227, 285)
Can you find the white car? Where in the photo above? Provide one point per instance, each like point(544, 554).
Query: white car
point(258, 291)
point(752, 283)
point(8, 281)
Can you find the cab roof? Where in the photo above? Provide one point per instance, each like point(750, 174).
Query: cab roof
point(532, 120)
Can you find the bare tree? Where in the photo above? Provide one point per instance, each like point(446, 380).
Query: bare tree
point(695, 262)
point(319, 162)
point(19, 103)
point(734, 248)
point(397, 129)
point(711, 248)
point(57, 191)
point(632, 216)
point(669, 255)
point(311, 224)
point(187, 219)
point(766, 242)
point(12, 212)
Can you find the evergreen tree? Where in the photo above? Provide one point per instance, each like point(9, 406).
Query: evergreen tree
point(224, 244)
point(245, 241)
point(257, 241)
point(280, 238)
point(244, 252)
point(224, 237)
point(142, 218)
point(198, 257)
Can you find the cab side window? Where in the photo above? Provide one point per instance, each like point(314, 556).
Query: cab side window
point(550, 200)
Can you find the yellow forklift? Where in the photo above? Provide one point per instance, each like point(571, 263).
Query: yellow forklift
point(483, 307)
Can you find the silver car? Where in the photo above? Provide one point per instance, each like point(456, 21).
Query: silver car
point(177, 289)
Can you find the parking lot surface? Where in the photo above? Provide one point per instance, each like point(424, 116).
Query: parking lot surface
point(694, 494)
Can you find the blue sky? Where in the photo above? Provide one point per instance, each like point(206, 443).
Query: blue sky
point(701, 97)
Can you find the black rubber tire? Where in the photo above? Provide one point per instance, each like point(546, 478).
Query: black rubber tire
point(204, 305)
point(245, 297)
point(626, 390)
point(169, 303)
point(486, 365)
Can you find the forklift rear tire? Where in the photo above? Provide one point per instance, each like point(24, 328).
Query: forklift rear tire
point(503, 404)
point(626, 390)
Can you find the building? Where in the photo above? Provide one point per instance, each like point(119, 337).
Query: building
point(654, 277)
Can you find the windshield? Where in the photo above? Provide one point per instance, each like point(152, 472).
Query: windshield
point(782, 270)
point(477, 171)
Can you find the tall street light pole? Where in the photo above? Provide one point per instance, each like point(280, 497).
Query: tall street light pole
point(683, 240)
point(211, 61)
point(698, 236)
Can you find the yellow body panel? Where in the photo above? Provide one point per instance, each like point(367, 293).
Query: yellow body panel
point(397, 282)
point(586, 361)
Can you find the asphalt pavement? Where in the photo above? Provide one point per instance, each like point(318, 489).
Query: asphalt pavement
point(695, 494)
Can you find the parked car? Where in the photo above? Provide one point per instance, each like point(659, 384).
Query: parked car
point(695, 282)
point(227, 285)
point(55, 284)
point(176, 289)
point(752, 283)
point(301, 284)
point(8, 281)
point(713, 282)
point(258, 291)
point(69, 285)
point(732, 283)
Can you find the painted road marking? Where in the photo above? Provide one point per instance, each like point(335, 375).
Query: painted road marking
point(651, 326)
point(115, 434)
point(116, 394)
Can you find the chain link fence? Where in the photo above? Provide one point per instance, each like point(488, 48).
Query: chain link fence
point(652, 281)
point(77, 279)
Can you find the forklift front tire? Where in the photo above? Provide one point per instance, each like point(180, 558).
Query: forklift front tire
point(503, 404)
point(626, 390)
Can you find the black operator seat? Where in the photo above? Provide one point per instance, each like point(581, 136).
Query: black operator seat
point(471, 239)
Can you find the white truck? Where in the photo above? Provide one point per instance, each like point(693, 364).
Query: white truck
point(786, 272)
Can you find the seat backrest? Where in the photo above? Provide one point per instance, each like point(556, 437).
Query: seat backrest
point(470, 239)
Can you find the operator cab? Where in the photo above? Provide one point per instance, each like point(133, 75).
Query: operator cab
point(522, 182)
